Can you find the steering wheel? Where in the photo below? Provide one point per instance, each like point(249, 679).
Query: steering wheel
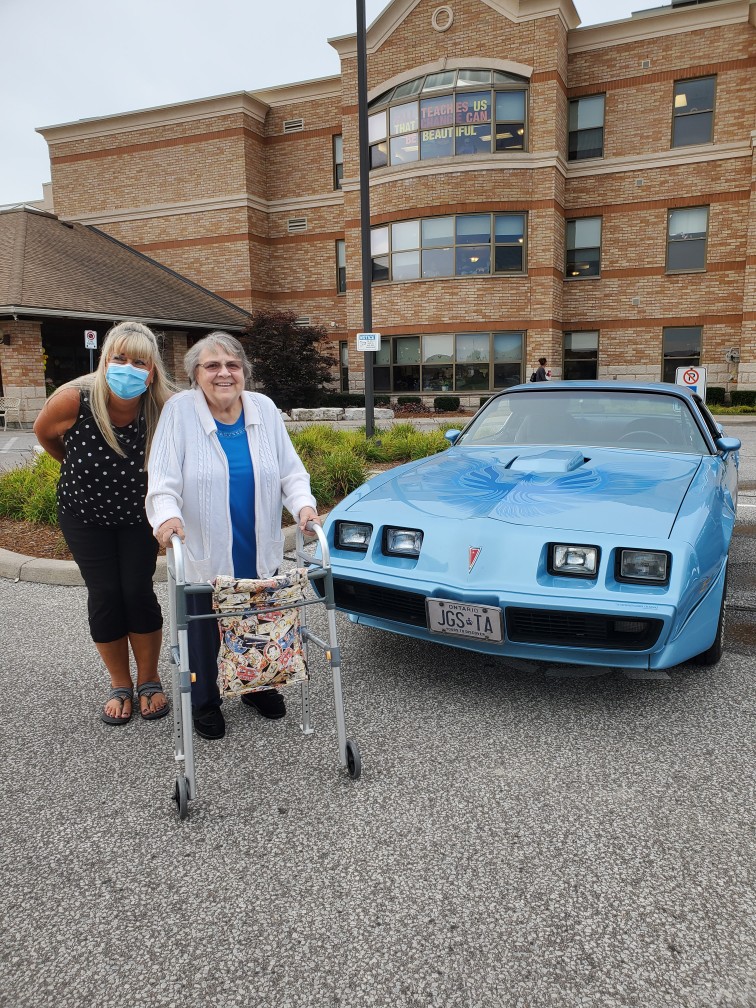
point(641, 435)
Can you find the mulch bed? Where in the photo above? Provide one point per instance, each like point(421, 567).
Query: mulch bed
point(33, 540)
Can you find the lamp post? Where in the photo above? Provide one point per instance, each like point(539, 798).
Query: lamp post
point(367, 271)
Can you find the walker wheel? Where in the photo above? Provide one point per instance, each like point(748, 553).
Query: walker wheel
point(181, 796)
point(353, 760)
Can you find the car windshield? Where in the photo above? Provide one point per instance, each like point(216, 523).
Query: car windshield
point(600, 418)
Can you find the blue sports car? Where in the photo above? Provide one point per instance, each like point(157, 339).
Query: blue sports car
point(580, 522)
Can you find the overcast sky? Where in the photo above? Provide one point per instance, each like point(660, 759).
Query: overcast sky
point(65, 60)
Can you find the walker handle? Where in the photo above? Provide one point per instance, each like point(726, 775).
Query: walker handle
point(178, 559)
point(317, 529)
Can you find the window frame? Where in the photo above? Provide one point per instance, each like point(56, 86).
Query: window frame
point(341, 277)
point(576, 275)
point(458, 249)
point(385, 152)
point(692, 360)
point(444, 376)
point(682, 116)
point(703, 242)
point(577, 131)
point(337, 141)
point(567, 362)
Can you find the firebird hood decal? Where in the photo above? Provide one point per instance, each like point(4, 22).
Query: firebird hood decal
point(609, 491)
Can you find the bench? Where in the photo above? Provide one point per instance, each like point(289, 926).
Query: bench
point(10, 411)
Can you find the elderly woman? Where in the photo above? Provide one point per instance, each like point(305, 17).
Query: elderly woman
point(100, 427)
point(221, 467)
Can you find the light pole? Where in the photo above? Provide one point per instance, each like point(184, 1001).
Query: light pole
point(367, 269)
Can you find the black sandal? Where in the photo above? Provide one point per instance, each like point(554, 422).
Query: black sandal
point(122, 693)
point(149, 689)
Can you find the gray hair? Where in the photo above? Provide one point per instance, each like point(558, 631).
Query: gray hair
point(223, 341)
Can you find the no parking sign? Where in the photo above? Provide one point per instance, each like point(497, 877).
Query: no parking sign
point(693, 378)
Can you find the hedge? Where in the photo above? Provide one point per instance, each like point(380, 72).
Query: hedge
point(743, 397)
point(446, 404)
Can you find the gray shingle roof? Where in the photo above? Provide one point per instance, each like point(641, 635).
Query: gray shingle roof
point(71, 269)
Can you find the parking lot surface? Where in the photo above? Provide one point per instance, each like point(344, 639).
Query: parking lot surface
point(523, 835)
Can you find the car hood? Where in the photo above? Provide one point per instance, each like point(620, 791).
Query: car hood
point(596, 490)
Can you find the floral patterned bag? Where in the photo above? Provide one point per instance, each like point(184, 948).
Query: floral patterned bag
point(260, 650)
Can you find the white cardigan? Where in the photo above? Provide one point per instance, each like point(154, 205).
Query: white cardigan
point(189, 480)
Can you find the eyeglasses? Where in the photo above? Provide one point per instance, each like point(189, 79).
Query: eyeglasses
point(214, 366)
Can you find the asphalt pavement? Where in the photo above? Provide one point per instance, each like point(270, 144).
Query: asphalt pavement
point(523, 835)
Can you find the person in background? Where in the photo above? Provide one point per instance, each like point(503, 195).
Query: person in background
point(100, 427)
point(221, 468)
point(541, 374)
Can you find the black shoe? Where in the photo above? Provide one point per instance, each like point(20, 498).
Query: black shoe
point(210, 723)
point(267, 702)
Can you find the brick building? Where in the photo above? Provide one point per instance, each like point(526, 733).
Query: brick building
point(537, 188)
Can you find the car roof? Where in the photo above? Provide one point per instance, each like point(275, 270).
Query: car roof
point(604, 386)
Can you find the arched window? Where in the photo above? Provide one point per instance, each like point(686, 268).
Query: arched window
point(456, 112)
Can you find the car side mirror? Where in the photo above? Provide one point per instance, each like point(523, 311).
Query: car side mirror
point(727, 444)
point(452, 435)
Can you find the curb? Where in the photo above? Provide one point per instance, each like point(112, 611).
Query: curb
point(38, 570)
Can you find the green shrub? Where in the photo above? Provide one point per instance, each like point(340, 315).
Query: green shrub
point(715, 395)
point(313, 442)
point(446, 404)
point(404, 400)
point(27, 493)
point(743, 397)
point(342, 400)
point(484, 399)
point(335, 475)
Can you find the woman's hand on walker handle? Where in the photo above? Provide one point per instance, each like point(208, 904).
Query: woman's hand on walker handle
point(169, 528)
point(307, 514)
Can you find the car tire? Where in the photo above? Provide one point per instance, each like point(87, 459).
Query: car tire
point(712, 655)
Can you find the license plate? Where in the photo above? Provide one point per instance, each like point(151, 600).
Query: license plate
point(460, 619)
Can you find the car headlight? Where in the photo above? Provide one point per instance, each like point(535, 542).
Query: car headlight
point(402, 542)
point(643, 566)
point(353, 535)
point(574, 560)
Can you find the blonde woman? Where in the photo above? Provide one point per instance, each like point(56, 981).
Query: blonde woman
point(100, 427)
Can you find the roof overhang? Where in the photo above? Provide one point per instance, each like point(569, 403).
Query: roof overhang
point(17, 312)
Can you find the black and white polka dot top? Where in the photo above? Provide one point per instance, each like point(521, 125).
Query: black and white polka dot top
point(97, 486)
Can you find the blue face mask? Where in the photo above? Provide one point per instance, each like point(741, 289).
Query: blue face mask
point(126, 381)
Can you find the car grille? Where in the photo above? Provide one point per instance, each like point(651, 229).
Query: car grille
point(571, 629)
point(524, 626)
point(381, 602)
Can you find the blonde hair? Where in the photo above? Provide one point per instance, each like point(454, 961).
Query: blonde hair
point(135, 340)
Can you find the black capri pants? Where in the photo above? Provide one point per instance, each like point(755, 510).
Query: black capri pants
point(117, 563)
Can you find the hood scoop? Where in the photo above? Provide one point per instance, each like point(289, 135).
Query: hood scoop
point(554, 461)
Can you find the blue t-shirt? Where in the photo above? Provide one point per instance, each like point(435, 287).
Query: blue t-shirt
point(241, 493)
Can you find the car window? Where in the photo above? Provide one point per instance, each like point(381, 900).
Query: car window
point(644, 421)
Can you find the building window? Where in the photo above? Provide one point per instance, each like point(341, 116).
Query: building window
point(583, 248)
point(693, 112)
point(343, 366)
point(461, 245)
point(580, 357)
point(586, 128)
point(686, 239)
point(338, 160)
point(681, 346)
point(449, 362)
point(341, 266)
point(456, 112)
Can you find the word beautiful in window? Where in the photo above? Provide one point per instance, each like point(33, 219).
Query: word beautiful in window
point(413, 122)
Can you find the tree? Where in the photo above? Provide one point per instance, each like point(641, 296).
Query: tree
point(291, 362)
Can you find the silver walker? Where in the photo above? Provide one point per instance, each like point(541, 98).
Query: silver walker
point(318, 569)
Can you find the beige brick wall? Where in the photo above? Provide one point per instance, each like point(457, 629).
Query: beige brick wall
point(211, 198)
point(22, 366)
